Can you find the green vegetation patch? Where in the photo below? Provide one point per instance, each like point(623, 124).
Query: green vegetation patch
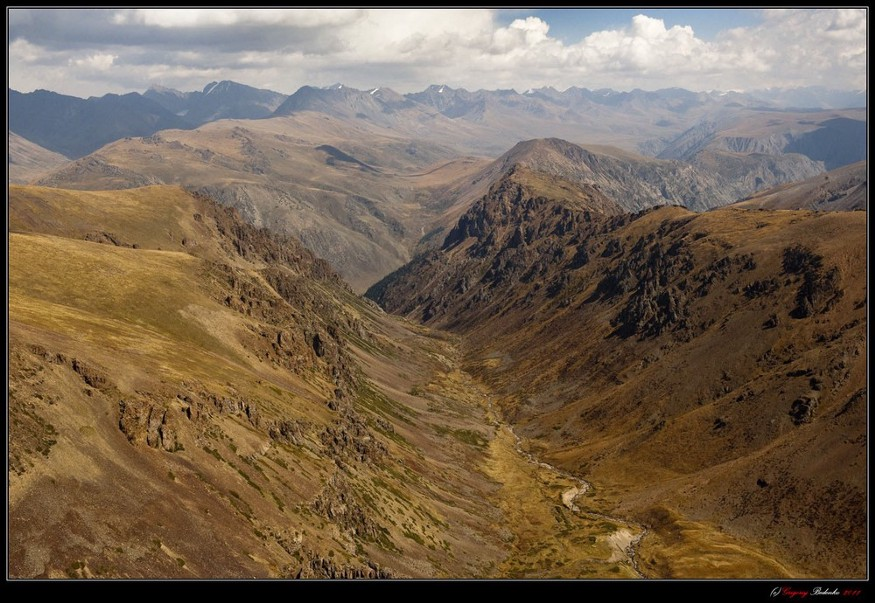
point(375, 401)
point(466, 436)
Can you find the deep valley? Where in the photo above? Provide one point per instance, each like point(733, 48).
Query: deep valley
point(352, 334)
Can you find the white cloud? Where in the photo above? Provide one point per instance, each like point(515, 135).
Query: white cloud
point(412, 48)
point(96, 62)
point(22, 51)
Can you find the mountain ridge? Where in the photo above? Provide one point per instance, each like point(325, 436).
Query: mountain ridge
point(607, 345)
point(483, 121)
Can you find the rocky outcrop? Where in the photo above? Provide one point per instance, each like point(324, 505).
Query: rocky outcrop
point(820, 289)
point(109, 239)
point(338, 503)
point(349, 439)
point(155, 424)
point(319, 567)
point(288, 431)
point(802, 409)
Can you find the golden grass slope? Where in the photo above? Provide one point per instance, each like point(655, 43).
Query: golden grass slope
point(190, 397)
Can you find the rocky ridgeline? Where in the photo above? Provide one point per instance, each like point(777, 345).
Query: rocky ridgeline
point(96, 168)
point(292, 294)
point(515, 247)
point(512, 235)
point(259, 244)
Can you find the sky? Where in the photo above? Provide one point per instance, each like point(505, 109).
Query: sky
point(91, 52)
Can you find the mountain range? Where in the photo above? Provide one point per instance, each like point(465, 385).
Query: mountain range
point(638, 120)
point(218, 100)
point(360, 176)
point(602, 335)
point(569, 408)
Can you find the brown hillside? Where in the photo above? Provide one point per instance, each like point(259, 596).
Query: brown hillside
point(192, 397)
point(707, 370)
point(353, 194)
point(28, 161)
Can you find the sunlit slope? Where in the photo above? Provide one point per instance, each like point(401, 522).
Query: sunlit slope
point(192, 397)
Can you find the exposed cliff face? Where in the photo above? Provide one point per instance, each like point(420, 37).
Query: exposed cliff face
point(697, 362)
point(843, 189)
point(707, 178)
point(833, 140)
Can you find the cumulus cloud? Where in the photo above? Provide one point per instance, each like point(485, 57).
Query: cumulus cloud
point(96, 62)
point(94, 51)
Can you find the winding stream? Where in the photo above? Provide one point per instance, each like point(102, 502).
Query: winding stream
point(625, 541)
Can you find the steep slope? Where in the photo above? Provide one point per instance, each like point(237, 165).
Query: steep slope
point(515, 232)
point(185, 402)
point(708, 371)
point(28, 161)
point(190, 397)
point(835, 138)
point(75, 127)
point(842, 189)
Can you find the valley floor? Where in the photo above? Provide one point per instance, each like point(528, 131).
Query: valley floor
point(558, 525)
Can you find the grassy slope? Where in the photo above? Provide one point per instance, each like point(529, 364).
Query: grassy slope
point(191, 476)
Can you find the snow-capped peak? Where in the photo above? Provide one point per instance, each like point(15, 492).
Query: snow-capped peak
point(374, 91)
point(441, 90)
point(210, 87)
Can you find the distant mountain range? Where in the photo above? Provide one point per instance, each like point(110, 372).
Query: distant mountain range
point(218, 100)
point(489, 121)
point(814, 97)
point(363, 177)
point(75, 127)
